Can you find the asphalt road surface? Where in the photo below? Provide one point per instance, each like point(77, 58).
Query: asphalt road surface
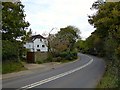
point(83, 73)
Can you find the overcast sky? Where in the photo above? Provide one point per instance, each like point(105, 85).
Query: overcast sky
point(43, 15)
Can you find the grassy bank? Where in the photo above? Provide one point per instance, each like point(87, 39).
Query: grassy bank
point(66, 61)
point(12, 66)
point(110, 78)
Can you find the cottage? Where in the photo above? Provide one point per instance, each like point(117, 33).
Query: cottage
point(37, 43)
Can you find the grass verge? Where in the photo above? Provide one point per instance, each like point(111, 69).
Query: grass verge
point(66, 61)
point(12, 66)
point(110, 77)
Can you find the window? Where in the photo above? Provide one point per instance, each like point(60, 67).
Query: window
point(43, 45)
point(40, 39)
point(37, 45)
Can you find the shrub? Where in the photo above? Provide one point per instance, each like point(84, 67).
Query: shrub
point(68, 55)
point(57, 59)
point(9, 50)
point(63, 54)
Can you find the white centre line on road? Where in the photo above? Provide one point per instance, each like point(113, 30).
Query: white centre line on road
point(55, 77)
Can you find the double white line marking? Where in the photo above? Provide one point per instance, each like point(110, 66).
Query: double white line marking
point(54, 77)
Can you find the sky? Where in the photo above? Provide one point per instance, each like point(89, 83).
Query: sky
point(43, 15)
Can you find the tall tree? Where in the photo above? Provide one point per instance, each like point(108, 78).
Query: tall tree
point(66, 38)
point(13, 21)
point(14, 27)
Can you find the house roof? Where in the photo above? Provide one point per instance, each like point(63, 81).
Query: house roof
point(32, 38)
point(37, 36)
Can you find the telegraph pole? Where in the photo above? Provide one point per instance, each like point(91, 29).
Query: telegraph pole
point(49, 47)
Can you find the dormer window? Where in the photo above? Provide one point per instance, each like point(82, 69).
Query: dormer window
point(40, 39)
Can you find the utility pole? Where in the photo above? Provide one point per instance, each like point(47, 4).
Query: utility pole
point(49, 47)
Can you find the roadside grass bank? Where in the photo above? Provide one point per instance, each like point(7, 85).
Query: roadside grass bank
point(110, 78)
point(12, 66)
point(66, 61)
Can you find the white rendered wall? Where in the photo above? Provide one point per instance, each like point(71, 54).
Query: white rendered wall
point(40, 43)
point(33, 45)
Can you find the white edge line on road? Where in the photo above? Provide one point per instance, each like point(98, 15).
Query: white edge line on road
point(55, 77)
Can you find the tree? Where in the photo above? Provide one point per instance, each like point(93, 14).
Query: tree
point(97, 4)
point(27, 36)
point(14, 27)
point(80, 45)
point(13, 21)
point(107, 37)
point(0, 16)
point(107, 24)
point(65, 39)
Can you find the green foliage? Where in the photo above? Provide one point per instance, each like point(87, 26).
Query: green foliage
point(65, 39)
point(13, 21)
point(27, 36)
point(12, 66)
point(14, 27)
point(107, 34)
point(50, 58)
point(110, 47)
point(105, 40)
point(12, 50)
point(9, 50)
point(61, 56)
point(0, 14)
point(62, 45)
point(110, 78)
point(80, 45)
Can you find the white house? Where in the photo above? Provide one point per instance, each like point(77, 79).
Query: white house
point(37, 43)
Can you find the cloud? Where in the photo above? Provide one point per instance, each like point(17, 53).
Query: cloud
point(43, 15)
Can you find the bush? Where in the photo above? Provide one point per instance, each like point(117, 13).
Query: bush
point(63, 54)
point(66, 56)
point(9, 50)
point(57, 59)
point(49, 57)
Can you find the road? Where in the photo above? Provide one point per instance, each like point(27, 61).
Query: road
point(83, 73)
